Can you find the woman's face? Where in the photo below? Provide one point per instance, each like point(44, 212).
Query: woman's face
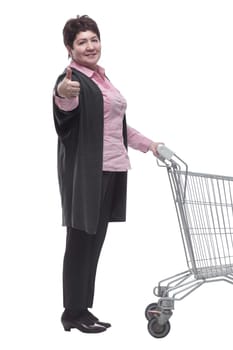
point(86, 49)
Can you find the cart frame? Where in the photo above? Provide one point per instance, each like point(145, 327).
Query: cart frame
point(204, 207)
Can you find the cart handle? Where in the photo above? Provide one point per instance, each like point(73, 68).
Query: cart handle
point(168, 157)
point(170, 160)
point(164, 152)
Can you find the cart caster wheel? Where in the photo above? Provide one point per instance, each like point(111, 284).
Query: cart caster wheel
point(157, 330)
point(150, 311)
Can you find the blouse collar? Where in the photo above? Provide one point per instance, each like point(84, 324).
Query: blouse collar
point(87, 71)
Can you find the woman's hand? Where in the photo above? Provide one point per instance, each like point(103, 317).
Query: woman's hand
point(153, 147)
point(68, 88)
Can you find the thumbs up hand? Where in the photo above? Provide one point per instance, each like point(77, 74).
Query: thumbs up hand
point(68, 88)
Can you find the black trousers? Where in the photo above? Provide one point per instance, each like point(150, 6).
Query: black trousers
point(82, 254)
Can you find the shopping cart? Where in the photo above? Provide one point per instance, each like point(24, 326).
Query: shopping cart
point(204, 207)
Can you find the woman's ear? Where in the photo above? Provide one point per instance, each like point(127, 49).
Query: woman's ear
point(69, 51)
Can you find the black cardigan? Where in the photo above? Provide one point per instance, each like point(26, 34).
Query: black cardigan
point(80, 159)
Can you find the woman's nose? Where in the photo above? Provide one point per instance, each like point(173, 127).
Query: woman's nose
point(90, 45)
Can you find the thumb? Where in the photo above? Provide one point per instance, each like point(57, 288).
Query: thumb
point(69, 73)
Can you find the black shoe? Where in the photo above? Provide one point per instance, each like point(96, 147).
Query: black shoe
point(90, 317)
point(81, 324)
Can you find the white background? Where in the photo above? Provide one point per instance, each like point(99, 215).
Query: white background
point(172, 60)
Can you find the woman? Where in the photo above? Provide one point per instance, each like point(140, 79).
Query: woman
point(89, 115)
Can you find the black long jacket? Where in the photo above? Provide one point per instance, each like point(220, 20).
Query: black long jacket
point(80, 159)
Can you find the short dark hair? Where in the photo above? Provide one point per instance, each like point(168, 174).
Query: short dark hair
point(76, 25)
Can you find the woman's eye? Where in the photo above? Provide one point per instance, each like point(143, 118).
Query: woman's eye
point(84, 42)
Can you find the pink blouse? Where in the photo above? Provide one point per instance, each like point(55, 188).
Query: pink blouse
point(115, 156)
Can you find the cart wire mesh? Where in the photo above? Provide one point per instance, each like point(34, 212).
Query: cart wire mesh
point(204, 205)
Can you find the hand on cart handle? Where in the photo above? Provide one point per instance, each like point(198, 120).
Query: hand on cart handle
point(163, 152)
point(154, 148)
point(168, 158)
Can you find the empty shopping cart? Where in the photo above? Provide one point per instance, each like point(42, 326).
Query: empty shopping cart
point(204, 207)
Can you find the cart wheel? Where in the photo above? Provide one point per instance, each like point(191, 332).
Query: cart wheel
point(149, 312)
point(157, 330)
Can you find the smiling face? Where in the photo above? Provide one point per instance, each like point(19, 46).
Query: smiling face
point(86, 49)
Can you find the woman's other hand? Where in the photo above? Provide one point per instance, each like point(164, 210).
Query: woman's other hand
point(154, 146)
